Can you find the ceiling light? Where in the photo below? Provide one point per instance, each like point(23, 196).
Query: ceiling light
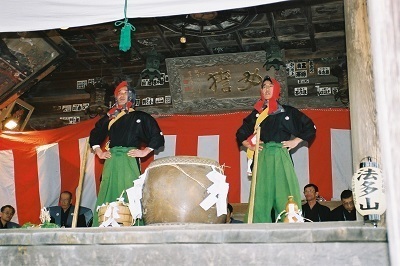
point(182, 39)
point(10, 124)
point(183, 36)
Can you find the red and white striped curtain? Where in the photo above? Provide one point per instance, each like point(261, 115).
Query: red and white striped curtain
point(36, 166)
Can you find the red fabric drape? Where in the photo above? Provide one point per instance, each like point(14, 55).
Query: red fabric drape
point(320, 149)
point(187, 128)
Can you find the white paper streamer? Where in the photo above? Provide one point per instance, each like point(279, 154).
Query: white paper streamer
point(135, 194)
point(293, 216)
point(249, 171)
point(44, 215)
point(111, 214)
point(218, 192)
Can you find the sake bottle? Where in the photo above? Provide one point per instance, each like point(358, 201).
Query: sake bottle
point(291, 207)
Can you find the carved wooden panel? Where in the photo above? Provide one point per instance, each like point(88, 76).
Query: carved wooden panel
point(25, 58)
point(216, 83)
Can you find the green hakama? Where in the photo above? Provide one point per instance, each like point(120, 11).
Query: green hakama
point(276, 179)
point(118, 175)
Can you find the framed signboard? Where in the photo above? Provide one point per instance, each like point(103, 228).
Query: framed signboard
point(216, 83)
point(25, 58)
point(20, 112)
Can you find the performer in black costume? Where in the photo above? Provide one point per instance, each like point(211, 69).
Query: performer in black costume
point(276, 178)
point(127, 130)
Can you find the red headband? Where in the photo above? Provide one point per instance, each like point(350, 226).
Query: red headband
point(120, 86)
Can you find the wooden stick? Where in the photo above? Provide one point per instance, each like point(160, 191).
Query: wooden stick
point(254, 178)
point(80, 184)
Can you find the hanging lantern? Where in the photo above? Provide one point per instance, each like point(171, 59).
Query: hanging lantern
point(369, 191)
point(152, 70)
point(274, 55)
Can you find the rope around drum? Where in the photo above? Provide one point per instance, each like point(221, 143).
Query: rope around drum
point(186, 174)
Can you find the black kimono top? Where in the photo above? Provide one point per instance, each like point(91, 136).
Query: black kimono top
point(341, 214)
point(319, 213)
point(279, 126)
point(130, 130)
point(9, 225)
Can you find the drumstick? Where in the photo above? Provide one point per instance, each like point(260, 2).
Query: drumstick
point(254, 178)
point(79, 188)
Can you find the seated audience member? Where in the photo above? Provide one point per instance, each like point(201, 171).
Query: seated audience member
point(62, 215)
point(229, 218)
point(312, 210)
point(7, 213)
point(346, 211)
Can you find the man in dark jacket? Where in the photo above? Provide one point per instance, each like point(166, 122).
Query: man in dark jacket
point(346, 211)
point(7, 213)
point(229, 218)
point(312, 210)
point(62, 215)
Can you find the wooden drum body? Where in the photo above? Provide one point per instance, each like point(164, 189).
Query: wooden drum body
point(174, 188)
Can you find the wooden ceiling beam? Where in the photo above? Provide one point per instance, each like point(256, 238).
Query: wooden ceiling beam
point(272, 25)
point(205, 45)
point(164, 39)
point(104, 51)
point(64, 99)
point(238, 39)
point(302, 53)
point(310, 27)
